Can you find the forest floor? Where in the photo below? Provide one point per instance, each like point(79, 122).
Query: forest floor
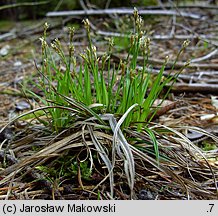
point(192, 102)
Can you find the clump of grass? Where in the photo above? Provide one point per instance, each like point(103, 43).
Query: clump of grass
point(91, 90)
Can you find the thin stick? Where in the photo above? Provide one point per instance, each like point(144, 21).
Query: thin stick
point(158, 37)
point(195, 87)
point(124, 11)
point(205, 57)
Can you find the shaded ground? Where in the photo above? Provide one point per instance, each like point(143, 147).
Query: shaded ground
point(189, 103)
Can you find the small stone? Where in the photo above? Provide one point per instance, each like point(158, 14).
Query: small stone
point(4, 50)
point(22, 105)
point(146, 195)
point(17, 64)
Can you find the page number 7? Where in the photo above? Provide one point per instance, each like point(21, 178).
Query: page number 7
point(211, 207)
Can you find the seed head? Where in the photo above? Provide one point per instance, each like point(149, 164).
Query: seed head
point(43, 43)
point(135, 13)
point(55, 48)
point(185, 43)
point(71, 49)
point(46, 26)
point(87, 24)
point(71, 33)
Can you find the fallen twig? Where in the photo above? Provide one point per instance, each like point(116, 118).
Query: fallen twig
point(195, 87)
point(124, 11)
point(22, 4)
point(191, 77)
point(159, 37)
point(8, 35)
point(188, 6)
point(205, 57)
point(170, 63)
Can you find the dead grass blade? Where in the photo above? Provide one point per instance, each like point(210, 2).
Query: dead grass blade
point(104, 157)
point(119, 141)
point(45, 153)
